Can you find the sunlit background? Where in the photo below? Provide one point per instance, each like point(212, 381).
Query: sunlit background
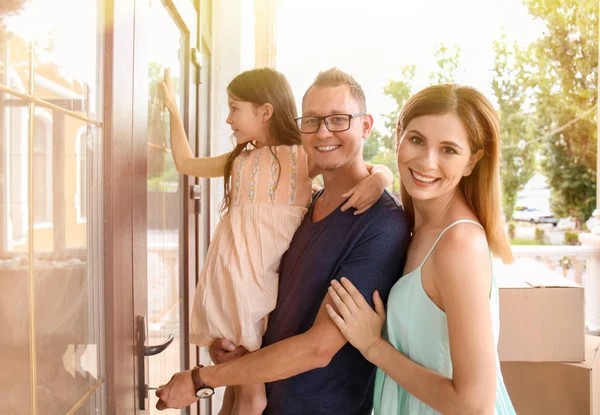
point(373, 40)
point(536, 60)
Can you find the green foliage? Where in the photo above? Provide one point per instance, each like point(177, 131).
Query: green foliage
point(517, 241)
point(572, 182)
point(511, 230)
point(164, 180)
point(448, 61)
point(540, 235)
point(571, 238)
point(562, 79)
point(517, 127)
point(380, 147)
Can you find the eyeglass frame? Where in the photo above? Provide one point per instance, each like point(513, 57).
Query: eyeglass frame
point(323, 118)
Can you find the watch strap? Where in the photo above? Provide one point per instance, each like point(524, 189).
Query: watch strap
point(196, 378)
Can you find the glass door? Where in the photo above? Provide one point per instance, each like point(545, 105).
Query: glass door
point(163, 209)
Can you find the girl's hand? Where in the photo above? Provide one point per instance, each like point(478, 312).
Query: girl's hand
point(356, 319)
point(169, 92)
point(365, 194)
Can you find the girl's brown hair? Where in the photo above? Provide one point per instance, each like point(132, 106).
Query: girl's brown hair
point(264, 86)
point(482, 187)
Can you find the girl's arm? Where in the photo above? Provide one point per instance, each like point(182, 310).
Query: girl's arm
point(384, 172)
point(365, 194)
point(464, 289)
point(185, 162)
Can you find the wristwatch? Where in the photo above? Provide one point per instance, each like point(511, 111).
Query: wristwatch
point(202, 389)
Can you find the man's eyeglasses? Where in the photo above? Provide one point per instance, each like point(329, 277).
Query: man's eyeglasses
point(334, 123)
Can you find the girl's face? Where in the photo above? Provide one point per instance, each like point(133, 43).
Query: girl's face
point(248, 122)
point(434, 154)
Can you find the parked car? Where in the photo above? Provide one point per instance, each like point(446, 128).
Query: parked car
point(534, 215)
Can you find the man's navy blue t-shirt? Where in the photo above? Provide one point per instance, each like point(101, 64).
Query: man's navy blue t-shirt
point(369, 250)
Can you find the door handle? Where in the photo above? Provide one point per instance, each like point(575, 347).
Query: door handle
point(142, 351)
point(152, 350)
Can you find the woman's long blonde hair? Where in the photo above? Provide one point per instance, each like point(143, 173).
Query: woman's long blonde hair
point(482, 187)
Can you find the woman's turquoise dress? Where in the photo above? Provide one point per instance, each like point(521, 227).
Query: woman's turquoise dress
point(418, 328)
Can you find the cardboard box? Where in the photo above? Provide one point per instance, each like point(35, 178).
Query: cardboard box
point(542, 316)
point(556, 388)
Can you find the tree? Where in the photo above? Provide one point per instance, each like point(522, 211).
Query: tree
point(516, 125)
point(563, 79)
point(380, 148)
point(448, 61)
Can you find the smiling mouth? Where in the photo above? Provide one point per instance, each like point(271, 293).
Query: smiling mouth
point(326, 149)
point(422, 178)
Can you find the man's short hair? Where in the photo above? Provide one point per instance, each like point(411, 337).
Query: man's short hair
point(335, 77)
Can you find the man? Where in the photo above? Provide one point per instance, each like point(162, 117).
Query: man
point(309, 367)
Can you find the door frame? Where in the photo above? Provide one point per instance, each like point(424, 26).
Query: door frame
point(124, 189)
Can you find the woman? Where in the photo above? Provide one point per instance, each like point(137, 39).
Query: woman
point(439, 350)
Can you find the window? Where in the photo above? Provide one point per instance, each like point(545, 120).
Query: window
point(42, 169)
point(81, 174)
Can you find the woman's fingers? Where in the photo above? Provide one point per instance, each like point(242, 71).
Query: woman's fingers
point(339, 303)
point(355, 296)
point(337, 320)
point(378, 303)
point(344, 294)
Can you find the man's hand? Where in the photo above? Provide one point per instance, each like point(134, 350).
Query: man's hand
point(178, 393)
point(222, 350)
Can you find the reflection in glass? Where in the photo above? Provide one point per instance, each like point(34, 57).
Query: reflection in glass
point(67, 287)
point(51, 277)
point(15, 360)
point(66, 59)
point(15, 39)
point(165, 306)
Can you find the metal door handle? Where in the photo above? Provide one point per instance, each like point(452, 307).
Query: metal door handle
point(142, 351)
point(152, 350)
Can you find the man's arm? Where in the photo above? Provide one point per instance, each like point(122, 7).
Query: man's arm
point(284, 359)
point(374, 263)
point(298, 354)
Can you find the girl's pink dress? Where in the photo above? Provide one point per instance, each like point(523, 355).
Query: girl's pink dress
point(237, 288)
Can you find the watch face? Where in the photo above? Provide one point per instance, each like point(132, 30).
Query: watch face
point(205, 392)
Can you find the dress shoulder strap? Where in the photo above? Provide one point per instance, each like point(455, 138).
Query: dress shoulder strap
point(442, 234)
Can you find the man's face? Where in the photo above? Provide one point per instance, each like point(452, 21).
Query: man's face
point(331, 150)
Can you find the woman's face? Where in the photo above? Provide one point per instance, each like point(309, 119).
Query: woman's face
point(434, 155)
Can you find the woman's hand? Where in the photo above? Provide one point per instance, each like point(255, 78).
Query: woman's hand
point(365, 194)
point(169, 92)
point(356, 319)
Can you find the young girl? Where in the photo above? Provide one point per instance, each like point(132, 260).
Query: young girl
point(267, 191)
